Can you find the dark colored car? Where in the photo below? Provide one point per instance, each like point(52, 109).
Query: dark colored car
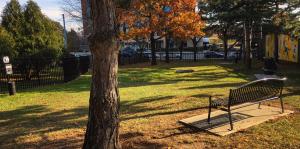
point(213, 54)
point(233, 55)
point(128, 52)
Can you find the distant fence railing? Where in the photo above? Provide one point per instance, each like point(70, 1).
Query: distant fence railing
point(134, 59)
point(184, 56)
point(190, 55)
point(34, 73)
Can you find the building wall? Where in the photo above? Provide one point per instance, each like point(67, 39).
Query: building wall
point(288, 47)
point(270, 45)
point(189, 43)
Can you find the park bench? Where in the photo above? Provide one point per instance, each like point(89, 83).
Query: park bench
point(252, 93)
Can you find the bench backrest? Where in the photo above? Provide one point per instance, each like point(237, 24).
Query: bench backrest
point(256, 91)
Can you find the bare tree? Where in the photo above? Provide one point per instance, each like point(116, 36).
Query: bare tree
point(73, 9)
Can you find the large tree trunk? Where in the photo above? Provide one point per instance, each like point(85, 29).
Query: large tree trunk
point(276, 45)
point(103, 120)
point(167, 49)
point(225, 43)
point(153, 49)
point(276, 34)
point(181, 49)
point(195, 48)
point(261, 44)
point(247, 44)
point(242, 49)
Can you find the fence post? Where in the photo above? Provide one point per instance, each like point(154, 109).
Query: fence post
point(12, 88)
point(84, 62)
point(71, 66)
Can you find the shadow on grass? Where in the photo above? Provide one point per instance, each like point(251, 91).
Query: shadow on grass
point(162, 113)
point(38, 120)
point(140, 105)
point(132, 140)
point(140, 109)
point(232, 85)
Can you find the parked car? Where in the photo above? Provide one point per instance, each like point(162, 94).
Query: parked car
point(172, 55)
point(128, 52)
point(233, 55)
point(213, 54)
point(148, 54)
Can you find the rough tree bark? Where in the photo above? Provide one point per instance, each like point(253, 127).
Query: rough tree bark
point(167, 49)
point(276, 49)
point(153, 49)
point(103, 121)
point(247, 44)
point(225, 43)
point(276, 34)
point(261, 43)
point(195, 42)
point(181, 49)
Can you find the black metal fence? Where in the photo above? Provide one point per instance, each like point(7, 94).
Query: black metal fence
point(34, 73)
point(134, 59)
point(184, 56)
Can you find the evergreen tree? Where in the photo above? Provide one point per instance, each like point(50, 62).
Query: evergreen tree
point(288, 17)
point(12, 21)
point(34, 30)
point(226, 17)
point(73, 41)
point(42, 40)
point(267, 12)
point(7, 44)
point(220, 18)
point(12, 18)
point(42, 36)
point(53, 38)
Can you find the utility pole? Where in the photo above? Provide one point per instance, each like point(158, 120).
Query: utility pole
point(65, 32)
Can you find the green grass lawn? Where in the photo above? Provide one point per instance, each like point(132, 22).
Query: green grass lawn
point(153, 99)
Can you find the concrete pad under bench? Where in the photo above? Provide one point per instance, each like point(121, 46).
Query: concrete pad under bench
point(242, 118)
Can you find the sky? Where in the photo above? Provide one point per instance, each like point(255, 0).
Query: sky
point(51, 8)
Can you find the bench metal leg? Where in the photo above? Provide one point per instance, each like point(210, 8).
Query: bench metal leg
point(282, 109)
point(259, 105)
point(209, 110)
point(230, 120)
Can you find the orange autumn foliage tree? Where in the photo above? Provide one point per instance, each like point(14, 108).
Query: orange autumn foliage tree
point(188, 25)
point(152, 20)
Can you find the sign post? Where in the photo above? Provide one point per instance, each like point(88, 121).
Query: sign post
point(9, 71)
